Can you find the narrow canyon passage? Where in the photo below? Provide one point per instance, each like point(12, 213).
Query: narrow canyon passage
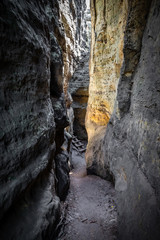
point(89, 69)
point(90, 206)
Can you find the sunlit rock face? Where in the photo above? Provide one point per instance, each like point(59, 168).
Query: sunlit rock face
point(34, 147)
point(129, 152)
point(108, 24)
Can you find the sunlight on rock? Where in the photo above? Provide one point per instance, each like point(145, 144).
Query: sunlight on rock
point(80, 120)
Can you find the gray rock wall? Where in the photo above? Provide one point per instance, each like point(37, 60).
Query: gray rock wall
point(27, 123)
point(129, 152)
point(78, 87)
point(79, 83)
point(132, 137)
point(34, 164)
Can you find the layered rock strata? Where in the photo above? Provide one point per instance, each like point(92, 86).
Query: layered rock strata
point(130, 149)
point(34, 147)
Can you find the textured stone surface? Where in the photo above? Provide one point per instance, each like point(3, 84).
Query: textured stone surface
point(72, 36)
point(132, 137)
point(108, 24)
point(130, 149)
point(79, 83)
point(78, 87)
point(33, 113)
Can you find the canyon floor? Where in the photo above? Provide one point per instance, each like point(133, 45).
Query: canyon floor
point(90, 206)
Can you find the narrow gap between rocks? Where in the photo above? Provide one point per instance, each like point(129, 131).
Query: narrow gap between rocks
point(52, 104)
point(89, 209)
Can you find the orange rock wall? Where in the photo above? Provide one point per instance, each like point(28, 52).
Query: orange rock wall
point(108, 24)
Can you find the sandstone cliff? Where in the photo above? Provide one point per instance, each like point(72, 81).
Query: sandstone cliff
point(130, 150)
point(35, 61)
point(108, 23)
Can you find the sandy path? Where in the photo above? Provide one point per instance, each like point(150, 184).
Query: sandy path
point(91, 212)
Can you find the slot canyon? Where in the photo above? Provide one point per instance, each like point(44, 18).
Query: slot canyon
point(80, 120)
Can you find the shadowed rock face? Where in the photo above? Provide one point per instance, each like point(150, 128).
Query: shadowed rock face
point(33, 115)
point(130, 148)
point(78, 88)
point(27, 122)
point(79, 83)
point(132, 137)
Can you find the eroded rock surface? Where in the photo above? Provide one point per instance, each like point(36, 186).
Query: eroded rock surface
point(108, 20)
point(33, 65)
point(79, 84)
point(132, 137)
point(130, 148)
point(72, 35)
point(78, 88)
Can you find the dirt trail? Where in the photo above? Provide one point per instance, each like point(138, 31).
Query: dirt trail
point(91, 212)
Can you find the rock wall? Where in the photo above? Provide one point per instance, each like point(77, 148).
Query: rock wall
point(130, 149)
point(108, 20)
point(73, 38)
point(79, 83)
point(78, 87)
point(132, 137)
point(34, 147)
